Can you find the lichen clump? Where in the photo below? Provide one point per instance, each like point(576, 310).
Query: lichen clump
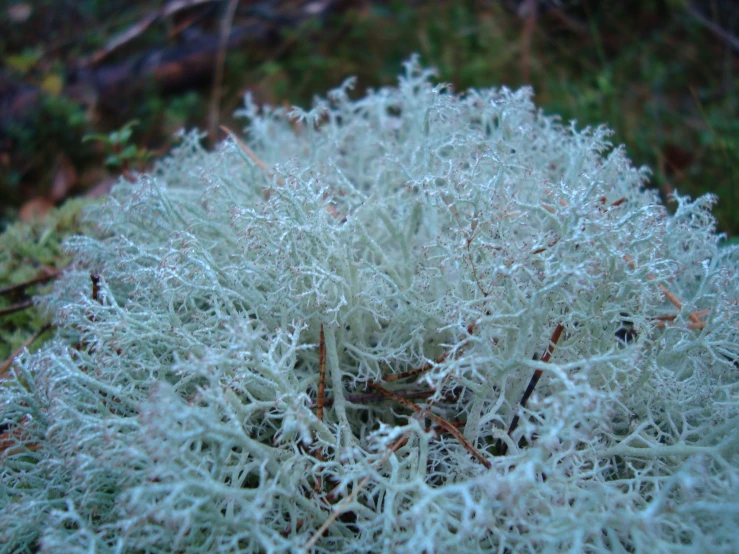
point(468, 241)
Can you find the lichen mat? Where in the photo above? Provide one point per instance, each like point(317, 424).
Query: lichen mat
point(411, 322)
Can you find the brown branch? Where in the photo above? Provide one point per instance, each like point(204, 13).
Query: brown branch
point(553, 342)
point(695, 320)
point(95, 278)
point(417, 371)
point(321, 376)
point(42, 278)
point(503, 447)
point(425, 367)
point(7, 363)
point(663, 320)
point(618, 202)
point(19, 307)
point(253, 157)
point(248, 151)
point(712, 26)
point(215, 96)
point(352, 496)
point(543, 248)
point(365, 398)
point(443, 423)
point(139, 27)
point(528, 10)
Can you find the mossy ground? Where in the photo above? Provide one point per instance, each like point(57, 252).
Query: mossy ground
point(27, 251)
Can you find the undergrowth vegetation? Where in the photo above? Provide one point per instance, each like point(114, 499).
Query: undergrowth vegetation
point(663, 73)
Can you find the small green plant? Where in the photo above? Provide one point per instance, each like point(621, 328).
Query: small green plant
point(121, 154)
point(412, 322)
point(31, 253)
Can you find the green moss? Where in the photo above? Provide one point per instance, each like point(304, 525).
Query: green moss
point(29, 250)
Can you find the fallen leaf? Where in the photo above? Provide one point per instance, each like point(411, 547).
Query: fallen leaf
point(18, 13)
point(35, 209)
point(65, 178)
point(52, 84)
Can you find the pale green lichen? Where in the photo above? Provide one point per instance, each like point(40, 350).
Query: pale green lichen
point(417, 227)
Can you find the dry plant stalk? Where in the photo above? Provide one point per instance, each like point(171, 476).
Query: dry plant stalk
point(321, 375)
point(444, 424)
point(695, 319)
point(28, 342)
point(502, 446)
point(19, 307)
point(321, 398)
point(338, 510)
point(47, 274)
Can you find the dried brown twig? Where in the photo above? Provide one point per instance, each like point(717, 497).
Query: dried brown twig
point(321, 375)
point(428, 366)
point(321, 399)
point(366, 397)
point(139, 27)
point(20, 306)
point(353, 495)
point(443, 423)
point(502, 447)
point(695, 317)
point(253, 157)
point(95, 278)
point(47, 275)
point(268, 190)
point(7, 363)
point(215, 96)
point(402, 398)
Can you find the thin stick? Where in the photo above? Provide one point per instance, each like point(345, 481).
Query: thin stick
point(95, 278)
point(543, 248)
point(215, 96)
point(695, 320)
point(30, 282)
point(425, 367)
point(448, 427)
point(679, 305)
point(248, 151)
point(713, 26)
point(7, 363)
point(417, 371)
point(365, 398)
point(139, 27)
point(268, 190)
point(321, 375)
point(503, 447)
point(618, 202)
point(662, 320)
point(552, 343)
point(321, 400)
point(349, 499)
point(527, 9)
point(20, 306)
point(253, 157)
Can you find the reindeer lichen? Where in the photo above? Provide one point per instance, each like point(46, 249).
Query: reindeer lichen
point(423, 258)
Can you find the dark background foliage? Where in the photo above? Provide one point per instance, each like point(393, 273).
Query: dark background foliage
point(662, 74)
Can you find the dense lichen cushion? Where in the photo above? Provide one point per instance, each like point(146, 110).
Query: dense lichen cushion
point(453, 234)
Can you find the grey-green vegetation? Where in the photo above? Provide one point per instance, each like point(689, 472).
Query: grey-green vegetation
point(175, 411)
